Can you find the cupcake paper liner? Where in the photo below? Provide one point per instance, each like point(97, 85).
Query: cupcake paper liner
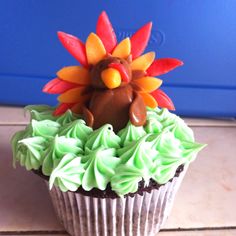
point(140, 215)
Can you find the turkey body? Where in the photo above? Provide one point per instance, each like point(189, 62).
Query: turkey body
point(117, 107)
point(111, 107)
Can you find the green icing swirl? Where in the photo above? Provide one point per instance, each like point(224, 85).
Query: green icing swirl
point(41, 112)
point(100, 166)
point(102, 137)
point(44, 112)
point(162, 119)
point(138, 154)
point(59, 147)
point(131, 133)
point(191, 149)
point(172, 154)
point(45, 128)
point(153, 151)
point(24, 146)
point(68, 173)
point(153, 126)
point(15, 146)
point(136, 162)
point(163, 170)
point(66, 118)
point(126, 179)
point(76, 129)
point(166, 143)
point(30, 152)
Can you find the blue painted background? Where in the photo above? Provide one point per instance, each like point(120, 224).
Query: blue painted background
point(201, 33)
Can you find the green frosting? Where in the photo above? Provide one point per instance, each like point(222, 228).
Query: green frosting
point(76, 129)
point(126, 179)
point(138, 154)
point(68, 173)
point(30, 152)
point(166, 143)
point(153, 125)
point(172, 154)
point(136, 162)
point(74, 155)
point(66, 118)
point(102, 137)
point(191, 149)
point(162, 119)
point(45, 128)
point(100, 166)
point(41, 112)
point(44, 112)
point(27, 144)
point(131, 133)
point(14, 145)
point(57, 149)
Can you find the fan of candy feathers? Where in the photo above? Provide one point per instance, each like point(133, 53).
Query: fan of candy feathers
point(73, 83)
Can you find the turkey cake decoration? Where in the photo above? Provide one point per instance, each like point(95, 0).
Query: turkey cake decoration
point(115, 81)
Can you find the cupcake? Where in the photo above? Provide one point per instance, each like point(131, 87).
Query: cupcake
point(111, 153)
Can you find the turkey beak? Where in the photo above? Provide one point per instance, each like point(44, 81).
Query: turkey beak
point(111, 78)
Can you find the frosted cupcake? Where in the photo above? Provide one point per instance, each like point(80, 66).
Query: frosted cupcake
point(111, 153)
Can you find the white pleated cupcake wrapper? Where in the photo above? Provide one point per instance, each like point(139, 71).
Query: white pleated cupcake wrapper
point(131, 216)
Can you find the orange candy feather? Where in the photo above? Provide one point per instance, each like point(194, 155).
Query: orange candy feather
point(143, 62)
point(95, 49)
point(147, 84)
point(123, 49)
point(149, 100)
point(74, 95)
point(75, 74)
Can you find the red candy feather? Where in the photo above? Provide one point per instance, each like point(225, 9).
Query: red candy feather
point(74, 46)
point(62, 108)
point(106, 32)
point(58, 86)
point(163, 100)
point(163, 66)
point(140, 39)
